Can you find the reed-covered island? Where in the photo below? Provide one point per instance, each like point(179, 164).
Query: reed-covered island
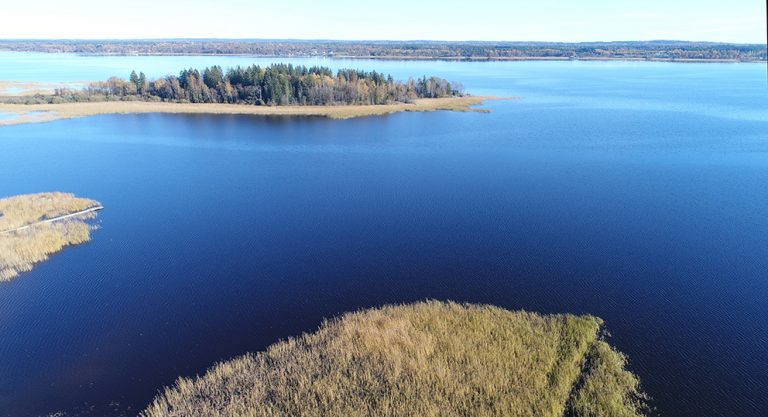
point(277, 89)
point(425, 359)
point(34, 226)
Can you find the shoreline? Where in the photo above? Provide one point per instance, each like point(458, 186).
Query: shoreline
point(31, 88)
point(545, 58)
point(40, 113)
point(428, 58)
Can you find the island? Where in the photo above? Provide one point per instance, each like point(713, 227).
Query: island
point(34, 226)
point(277, 89)
point(425, 359)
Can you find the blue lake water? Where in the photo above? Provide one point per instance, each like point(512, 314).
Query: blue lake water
point(637, 192)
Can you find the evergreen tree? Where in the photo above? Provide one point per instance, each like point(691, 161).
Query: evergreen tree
point(135, 80)
point(142, 86)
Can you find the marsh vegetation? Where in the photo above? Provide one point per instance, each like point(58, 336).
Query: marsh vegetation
point(33, 226)
point(426, 359)
point(31, 88)
point(37, 113)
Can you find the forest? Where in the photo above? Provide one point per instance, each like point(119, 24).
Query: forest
point(273, 85)
point(641, 50)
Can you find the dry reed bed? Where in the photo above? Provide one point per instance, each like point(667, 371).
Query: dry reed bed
point(36, 113)
point(30, 88)
point(21, 247)
point(426, 359)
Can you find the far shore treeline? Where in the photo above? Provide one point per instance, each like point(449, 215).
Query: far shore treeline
point(471, 50)
point(273, 85)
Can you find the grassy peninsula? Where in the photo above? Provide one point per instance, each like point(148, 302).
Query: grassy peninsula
point(34, 226)
point(425, 359)
point(38, 113)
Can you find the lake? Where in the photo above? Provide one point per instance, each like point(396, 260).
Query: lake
point(636, 192)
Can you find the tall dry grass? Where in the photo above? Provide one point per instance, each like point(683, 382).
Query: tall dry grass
point(21, 249)
point(426, 359)
point(607, 388)
point(48, 112)
point(25, 209)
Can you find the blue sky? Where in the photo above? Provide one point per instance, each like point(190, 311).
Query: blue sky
point(532, 20)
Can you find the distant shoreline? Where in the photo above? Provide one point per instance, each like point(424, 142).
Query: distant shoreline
point(496, 59)
point(422, 58)
point(40, 113)
point(655, 50)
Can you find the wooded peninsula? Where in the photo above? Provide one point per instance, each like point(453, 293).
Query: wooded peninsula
point(274, 90)
point(273, 85)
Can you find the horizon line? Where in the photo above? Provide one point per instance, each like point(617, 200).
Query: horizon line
point(383, 40)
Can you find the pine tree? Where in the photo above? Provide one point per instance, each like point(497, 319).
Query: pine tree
point(135, 80)
point(142, 87)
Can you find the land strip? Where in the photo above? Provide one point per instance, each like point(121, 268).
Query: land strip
point(37, 113)
point(30, 88)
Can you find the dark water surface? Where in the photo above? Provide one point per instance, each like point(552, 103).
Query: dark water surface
point(634, 192)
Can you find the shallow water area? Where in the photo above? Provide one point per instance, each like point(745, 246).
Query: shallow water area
point(22, 117)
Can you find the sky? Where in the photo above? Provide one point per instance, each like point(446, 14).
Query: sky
point(741, 21)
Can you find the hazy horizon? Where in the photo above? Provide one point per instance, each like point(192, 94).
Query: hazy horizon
point(738, 21)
